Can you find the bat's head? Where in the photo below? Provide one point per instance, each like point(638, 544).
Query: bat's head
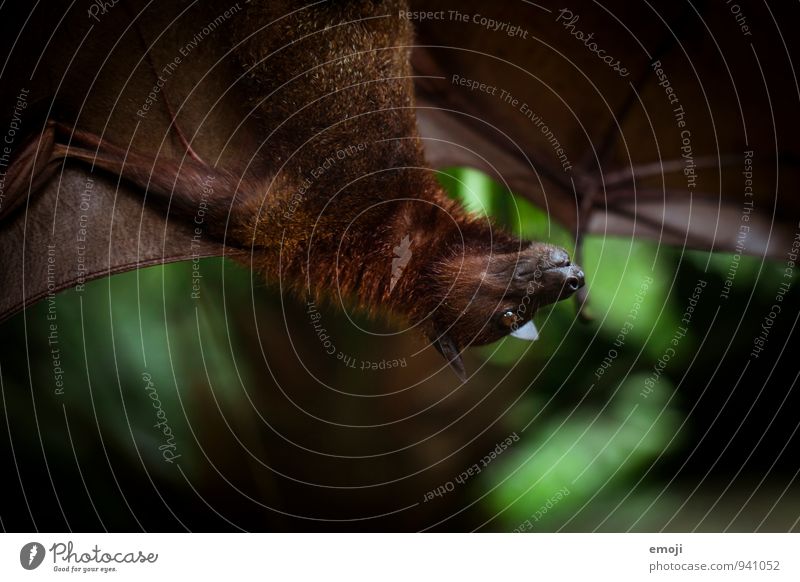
point(484, 296)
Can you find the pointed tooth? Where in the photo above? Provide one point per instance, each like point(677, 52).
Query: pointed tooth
point(527, 332)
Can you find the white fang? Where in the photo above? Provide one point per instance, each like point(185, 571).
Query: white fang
point(527, 332)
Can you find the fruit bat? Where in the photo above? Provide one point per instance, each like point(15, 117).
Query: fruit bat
point(300, 139)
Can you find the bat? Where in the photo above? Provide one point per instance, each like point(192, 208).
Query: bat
point(304, 135)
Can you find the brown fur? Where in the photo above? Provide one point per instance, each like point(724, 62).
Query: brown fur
point(323, 92)
point(331, 88)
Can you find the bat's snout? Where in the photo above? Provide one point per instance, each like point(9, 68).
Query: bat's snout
point(564, 281)
point(549, 271)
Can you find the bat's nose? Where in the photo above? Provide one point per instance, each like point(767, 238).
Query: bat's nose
point(552, 274)
point(574, 279)
point(565, 280)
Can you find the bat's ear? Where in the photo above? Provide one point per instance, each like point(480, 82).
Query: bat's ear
point(449, 350)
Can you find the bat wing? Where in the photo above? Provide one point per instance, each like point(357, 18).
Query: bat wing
point(675, 123)
point(63, 224)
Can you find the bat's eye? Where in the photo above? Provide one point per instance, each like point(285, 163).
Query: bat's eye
point(509, 319)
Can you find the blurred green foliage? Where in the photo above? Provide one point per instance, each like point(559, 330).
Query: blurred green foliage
point(116, 331)
point(593, 434)
point(595, 437)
